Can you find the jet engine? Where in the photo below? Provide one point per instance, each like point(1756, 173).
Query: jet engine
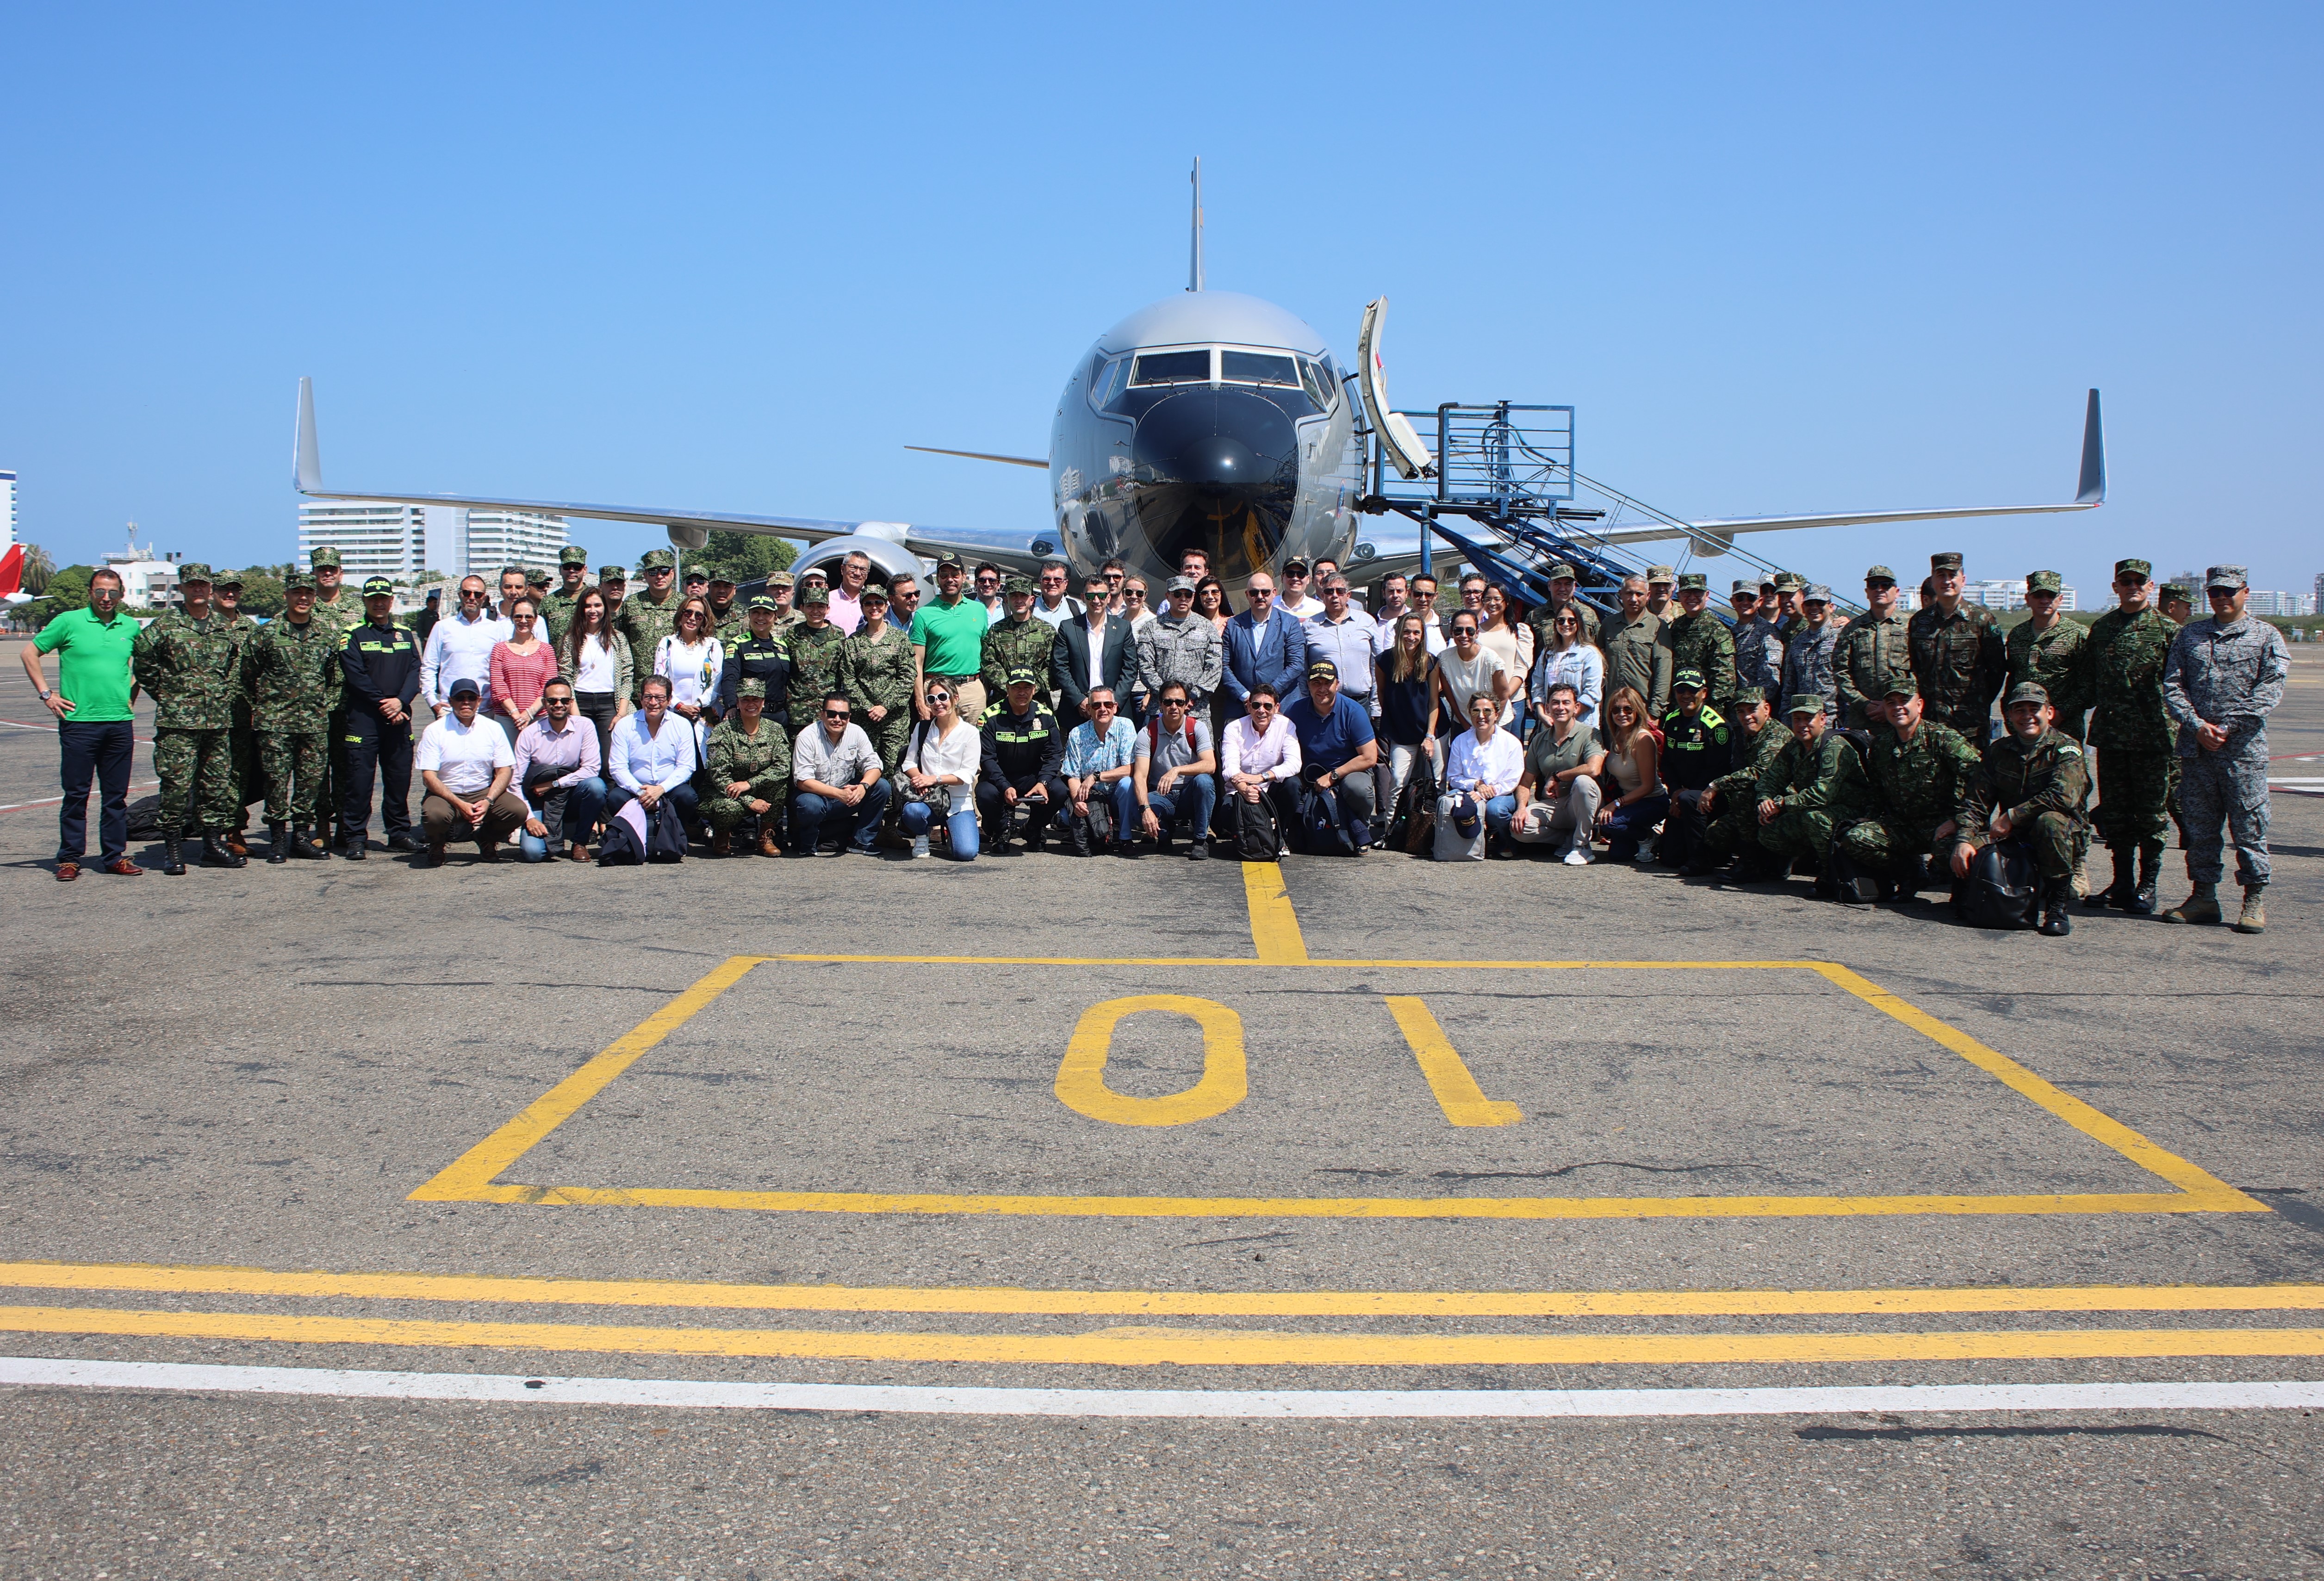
point(889, 560)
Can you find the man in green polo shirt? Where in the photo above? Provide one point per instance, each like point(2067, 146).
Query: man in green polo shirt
point(948, 644)
point(92, 701)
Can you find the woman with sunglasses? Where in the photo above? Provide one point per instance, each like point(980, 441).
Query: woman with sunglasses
point(694, 660)
point(941, 768)
point(595, 660)
point(1570, 660)
point(521, 665)
point(1637, 799)
point(1505, 632)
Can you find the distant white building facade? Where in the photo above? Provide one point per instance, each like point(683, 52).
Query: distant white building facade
point(379, 538)
point(2009, 594)
point(148, 580)
point(8, 511)
point(2280, 604)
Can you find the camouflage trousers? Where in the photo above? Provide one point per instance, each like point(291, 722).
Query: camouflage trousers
point(1885, 844)
point(293, 764)
point(2133, 795)
point(2056, 841)
point(726, 813)
point(890, 737)
point(1795, 831)
point(1736, 829)
point(195, 768)
point(249, 771)
point(2219, 792)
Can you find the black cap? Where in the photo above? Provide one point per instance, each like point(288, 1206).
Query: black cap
point(465, 687)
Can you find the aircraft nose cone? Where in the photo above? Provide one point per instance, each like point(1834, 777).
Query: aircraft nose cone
point(1217, 461)
point(1227, 440)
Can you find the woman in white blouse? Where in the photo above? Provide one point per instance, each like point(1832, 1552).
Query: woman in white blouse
point(692, 659)
point(941, 768)
point(1262, 763)
point(1571, 661)
point(1503, 633)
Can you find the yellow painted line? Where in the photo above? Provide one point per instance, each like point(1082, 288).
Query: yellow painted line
point(1081, 1074)
point(1364, 963)
point(1464, 1103)
point(1135, 1348)
point(475, 1169)
point(1274, 925)
point(167, 1279)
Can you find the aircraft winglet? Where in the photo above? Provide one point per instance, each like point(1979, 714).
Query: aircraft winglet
point(306, 459)
point(2092, 491)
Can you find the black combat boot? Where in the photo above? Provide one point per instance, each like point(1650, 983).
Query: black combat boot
point(216, 853)
point(306, 845)
point(172, 863)
point(1916, 877)
point(355, 846)
point(2119, 893)
point(277, 844)
point(2149, 869)
point(2057, 909)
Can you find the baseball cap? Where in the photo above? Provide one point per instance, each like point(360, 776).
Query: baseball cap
point(299, 579)
point(1322, 669)
point(1021, 676)
point(194, 571)
point(2226, 576)
point(1688, 678)
point(573, 554)
point(1694, 581)
point(762, 601)
point(1177, 583)
point(2045, 582)
point(378, 587)
point(465, 687)
point(750, 688)
point(1804, 702)
point(2027, 691)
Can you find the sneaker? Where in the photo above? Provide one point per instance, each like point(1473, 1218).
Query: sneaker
point(1577, 857)
point(919, 846)
point(1199, 851)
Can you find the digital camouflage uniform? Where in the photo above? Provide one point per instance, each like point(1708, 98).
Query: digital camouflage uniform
point(1958, 661)
point(1759, 657)
point(1012, 644)
point(1917, 787)
point(292, 677)
point(1703, 642)
point(2052, 660)
point(815, 668)
point(2231, 674)
point(343, 615)
point(2119, 674)
point(556, 607)
point(1871, 656)
point(880, 673)
point(2043, 786)
point(645, 623)
point(1818, 789)
point(249, 779)
point(1735, 826)
point(1811, 668)
point(764, 759)
point(193, 670)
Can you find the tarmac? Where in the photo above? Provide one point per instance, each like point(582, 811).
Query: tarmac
point(1042, 1215)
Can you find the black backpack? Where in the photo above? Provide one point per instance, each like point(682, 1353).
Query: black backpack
point(2003, 890)
point(1255, 834)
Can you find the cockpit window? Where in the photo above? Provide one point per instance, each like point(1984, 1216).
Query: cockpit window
point(1258, 368)
point(1103, 374)
point(1318, 390)
point(1173, 368)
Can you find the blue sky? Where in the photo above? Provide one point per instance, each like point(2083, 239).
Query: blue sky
point(1780, 259)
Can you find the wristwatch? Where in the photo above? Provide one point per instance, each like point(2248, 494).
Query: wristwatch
point(47, 692)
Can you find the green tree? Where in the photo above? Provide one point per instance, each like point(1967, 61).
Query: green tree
point(746, 556)
point(67, 590)
point(262, 590)
point(38, 569)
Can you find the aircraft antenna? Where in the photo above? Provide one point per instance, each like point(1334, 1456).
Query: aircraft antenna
point(1195, 260)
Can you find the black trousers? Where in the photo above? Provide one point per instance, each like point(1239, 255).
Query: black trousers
point(995, 812)
point(599, 708)
point(101, 752)
point(373, 743)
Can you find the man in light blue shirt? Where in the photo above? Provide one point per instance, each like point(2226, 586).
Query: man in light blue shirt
point(1099, 757)
point(653, 757)
point(1350, 639)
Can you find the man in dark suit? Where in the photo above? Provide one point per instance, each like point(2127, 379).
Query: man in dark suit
point(1110, 637)
point(1264, 644)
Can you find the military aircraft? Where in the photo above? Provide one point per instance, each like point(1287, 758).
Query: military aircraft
point(1210, 420)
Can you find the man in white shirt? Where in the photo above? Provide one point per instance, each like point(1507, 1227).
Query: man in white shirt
point(987, 578)
point(460, 648)
point(653, 757)
point(836, 774)
point(1296, 601)
point(466, 770)
point(1054, 604)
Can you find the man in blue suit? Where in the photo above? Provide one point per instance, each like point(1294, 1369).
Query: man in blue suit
point(1116, 646)
point(1265, 644)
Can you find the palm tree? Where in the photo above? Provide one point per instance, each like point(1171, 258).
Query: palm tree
point(38, 569)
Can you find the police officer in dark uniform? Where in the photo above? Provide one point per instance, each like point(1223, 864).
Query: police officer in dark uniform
point(380, 662)
point(760, 654)
point(1023, 746)
point(1698, 746)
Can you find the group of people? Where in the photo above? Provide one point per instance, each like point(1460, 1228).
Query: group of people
point(855, 715)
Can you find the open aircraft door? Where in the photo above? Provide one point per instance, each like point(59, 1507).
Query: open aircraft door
point(1406, 453)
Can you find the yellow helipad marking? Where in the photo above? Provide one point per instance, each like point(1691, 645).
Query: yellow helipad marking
point(1274, 925)
point(1185, 1347)
point(1464, 1103)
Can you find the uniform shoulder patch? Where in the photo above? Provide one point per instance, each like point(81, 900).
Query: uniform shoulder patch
point(2069, 750)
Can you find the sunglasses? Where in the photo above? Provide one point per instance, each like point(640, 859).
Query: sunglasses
point(936, 697)
point(468, 597)
point(557, 702)
point(1262, 708)
point(1103, 707)
point(835, 713)
point(1464, 631)
point(1174, 702)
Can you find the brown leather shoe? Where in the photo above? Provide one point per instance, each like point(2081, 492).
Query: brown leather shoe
point(67, 871)
point(721, 842)
point(766, 846)
point(579, 853)
point(233, 842)
point(123, 867)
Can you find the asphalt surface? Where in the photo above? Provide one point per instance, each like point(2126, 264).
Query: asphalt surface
point(257, 1070)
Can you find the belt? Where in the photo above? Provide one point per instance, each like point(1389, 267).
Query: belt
point(963, 676)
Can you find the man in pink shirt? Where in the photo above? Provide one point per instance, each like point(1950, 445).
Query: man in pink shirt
point(847, 598)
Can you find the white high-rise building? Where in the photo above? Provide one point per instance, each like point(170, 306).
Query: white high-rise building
point(2008, 593)
point(379, 538)
point(8, 513)
point(2282, 605)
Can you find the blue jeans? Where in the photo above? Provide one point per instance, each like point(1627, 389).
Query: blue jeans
point(862, 820)
point(102, 751)
point(584, 806)
point(1628, 827)
point(1193, 796)
point(1498, 813)
point(961, 821)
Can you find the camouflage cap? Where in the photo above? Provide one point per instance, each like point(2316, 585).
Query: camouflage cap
point(1902, 686)
point(2045, 582)
point(2179, 591)
point(1947, 561)
point(657, 560)
point(298, 580)
point(324, 559)
point(1660, 573)
point(378, 587)
point(229, 577)
point(1880, 574)
point(765, 601)
point(719, 579)
point(1694, 581)
point(2226, 576)
point(1770, 582)
point(1021, 676)
point(1815, 592)
point(1688, 677)
point(2138, 569)
point(1740, 586)
point(1804, 702)
point(813, 595)
point(573, 554)
point(873, 593)
point(1748, 698)
point(612, 573)
point(1565, 570)
point(1024, 585)
point(781, 579)
point(193, 571)
point(537, 576)
point(752, 688)
point(696, 576)
point(2026, 692)
point(1788, 583)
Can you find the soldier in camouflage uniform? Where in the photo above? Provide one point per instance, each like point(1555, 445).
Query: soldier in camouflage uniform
point(614, 586)
point(648, 617)
point(1814, 791)
point(1919, 771)
point(2046, 649)
point(875, 671)
point(815, 646)
point(2029, 788)
point(749, 751)
point(2224, 677)
point(291, 675)
point(557, 608)
point(787, 619)
point(2118, 672)
point(1876, 648)
point(249, 781)
point(1731, 802)
point(192, 668)
point(1016, 641)
point(729, 618)
point(1958, 656)
point(340, 607)
point(2177, 602)
point(1700, 641)
point(1759, 646)
point(1808, 662)
point(1561, 583)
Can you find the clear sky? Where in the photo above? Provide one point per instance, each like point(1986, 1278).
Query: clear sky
point(1781, 259)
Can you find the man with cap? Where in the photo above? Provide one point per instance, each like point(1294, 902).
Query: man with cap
point(2045, 649)
point(1179, 644)
point(1958, 656)
point(648, 617)
point(2029, 788)
point(2177, 602)
point(947, 637)
point(1874, 651)
point(2119, 674)
point(1700, 641)
point(379, 673)
point(465, 771)
point(536, 583)
point(1810, 664)
point(1698, 746)
point(1637, 656)
point(758, 654)
point(573, 572)
point(694, 583)
point(750, 757)
point(1731, 804)
point(192, 666)
point(1660, 580)
point(1337, 748)
point(1022, 751)
point(876, 670)
point(249, 781)
point(341, 607)
point(783, 588)
point(1787, 613)
point(2225, 675)
point(1920, 772)
point(292, 672)
point(1814, 791)
point(614, 586)
point(1295, 600)
point(1760, 647)
point(727, 617)
point(1018, 641)
point(432, 609)
point(1561, 582)
point(814, 645)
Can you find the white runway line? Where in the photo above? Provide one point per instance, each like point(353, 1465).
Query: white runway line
point(1243, 1403)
